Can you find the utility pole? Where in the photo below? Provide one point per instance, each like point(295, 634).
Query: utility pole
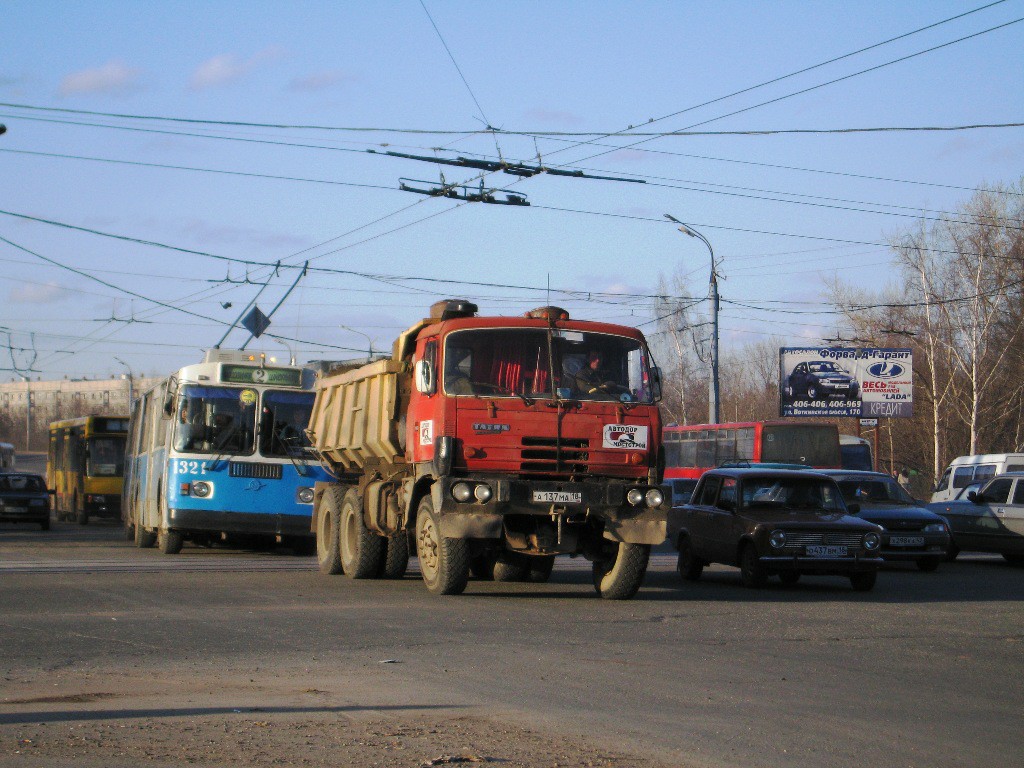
point(714, 409)
point(28, 414)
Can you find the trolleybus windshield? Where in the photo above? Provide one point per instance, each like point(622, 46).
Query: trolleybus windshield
point(283, 422)
point(215, 420)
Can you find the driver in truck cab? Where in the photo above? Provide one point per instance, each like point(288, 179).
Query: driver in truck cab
point(590, 376)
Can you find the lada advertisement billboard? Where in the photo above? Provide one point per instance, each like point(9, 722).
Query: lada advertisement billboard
point(846, 381)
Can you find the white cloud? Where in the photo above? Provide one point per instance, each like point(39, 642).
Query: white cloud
point(113, 77)
point(36, 293)
point(226, 68)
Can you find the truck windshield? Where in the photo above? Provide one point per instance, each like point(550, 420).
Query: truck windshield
point(106, 457)
point(215, 420)
point(283, 423)
point(511, 362)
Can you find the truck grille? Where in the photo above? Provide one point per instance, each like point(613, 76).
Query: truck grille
point(813, 538)
point(540, 456)
point(250, 469)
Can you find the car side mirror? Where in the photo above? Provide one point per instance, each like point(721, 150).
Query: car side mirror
point(656, 383)
point(853, 509)
point(975, 497)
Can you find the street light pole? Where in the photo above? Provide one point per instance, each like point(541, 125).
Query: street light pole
point(369, 357)
point(714, 409)
point(131, 383)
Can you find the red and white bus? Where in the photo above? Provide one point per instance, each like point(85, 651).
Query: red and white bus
point(692, 450)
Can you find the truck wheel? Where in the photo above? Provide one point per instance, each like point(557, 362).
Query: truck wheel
point(396, 556)
point(361, 550)
point(444, 563)
point(511, 566)
point(689, 566)
point(170, 542)
point(328, 552)
point(540, 569)
point(482, 566)
point(619, 577)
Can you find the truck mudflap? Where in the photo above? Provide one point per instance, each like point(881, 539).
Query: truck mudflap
point(598, 500)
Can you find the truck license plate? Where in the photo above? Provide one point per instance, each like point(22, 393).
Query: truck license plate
point(906, 541)
point(557, 497)
point(820, 551)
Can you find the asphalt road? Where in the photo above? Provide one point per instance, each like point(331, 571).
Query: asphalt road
point(926, 670)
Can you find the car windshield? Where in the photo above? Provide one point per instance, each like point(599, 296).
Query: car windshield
point(511, 362)
point(824, 367)
point(791, 493)
point(874, 490)
point(22, 483)
point(215, 420)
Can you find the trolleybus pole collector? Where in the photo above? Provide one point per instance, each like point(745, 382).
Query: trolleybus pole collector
point(219, 448)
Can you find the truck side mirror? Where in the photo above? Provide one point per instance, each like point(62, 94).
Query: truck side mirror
point(656, 382)
point(425, 380)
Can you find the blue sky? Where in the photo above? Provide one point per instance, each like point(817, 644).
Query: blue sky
point(531, 66)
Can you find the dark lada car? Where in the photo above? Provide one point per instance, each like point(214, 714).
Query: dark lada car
point(773, 522)
point(909, 532)
point(988, 519)
point(821, 379)
point(24, 499)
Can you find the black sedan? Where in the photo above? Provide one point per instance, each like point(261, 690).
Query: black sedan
point(820, 380)
point(909, 531)
point(24, 499)
point(773, 522)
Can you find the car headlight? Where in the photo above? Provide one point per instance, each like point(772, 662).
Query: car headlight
point(483, 493)
point(935, 528)
point(654, 498)
point(304, 495)
point(635, 497)
point(202, 489)
point(872, 540)
point(462, 492)
point(37, 503)
point(777, 539)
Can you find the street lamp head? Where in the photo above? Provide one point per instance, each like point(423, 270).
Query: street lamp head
point(682, 227)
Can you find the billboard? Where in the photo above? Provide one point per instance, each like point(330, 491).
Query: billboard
point(846, 381)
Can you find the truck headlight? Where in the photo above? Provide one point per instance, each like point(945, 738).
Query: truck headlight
point(202, 489)
point(483, 493)
point(462, 492)
point(872, 540)
point(304, 495)
point(635, 497)
point(777, 539)
point(654, 498)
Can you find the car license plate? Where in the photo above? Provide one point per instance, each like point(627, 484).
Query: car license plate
point(906, 541)
point(821, 551)
point(557, 497)
point(17, 510)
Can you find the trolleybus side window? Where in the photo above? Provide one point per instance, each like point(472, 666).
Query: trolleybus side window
point(283, 422)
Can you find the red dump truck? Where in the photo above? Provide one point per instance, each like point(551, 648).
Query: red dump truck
point(491, 445)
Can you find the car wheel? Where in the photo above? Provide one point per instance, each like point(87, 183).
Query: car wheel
point(864, 582)
point(952, 552)
point(170, 542)
point(328, 552)
point(812, 392)
point(752, 572)
point(928, 564)
point(444, 562)
point(619, 576)
point(789, 577)
point(362, 551)
point(688, 565)
point(1014, 559)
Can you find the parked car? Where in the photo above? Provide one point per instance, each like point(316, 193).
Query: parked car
point(820, 380)
point(24, 499)
point(909, 532)
point(988, 520)
point(773, 522)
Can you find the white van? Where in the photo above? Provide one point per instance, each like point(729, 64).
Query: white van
point(964, 470)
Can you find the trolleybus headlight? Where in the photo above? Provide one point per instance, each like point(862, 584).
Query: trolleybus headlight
point(872, 540)
point(202, 489)
point(777, 539)
point(483, 493)
point(304, 495)
point(654, 498)
point(462, 492)
point(635, 497)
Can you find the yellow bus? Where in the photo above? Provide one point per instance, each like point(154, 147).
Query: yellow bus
point(85, 467)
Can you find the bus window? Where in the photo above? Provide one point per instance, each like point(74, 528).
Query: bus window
point(283, 423)
point(800, 444)
point(106, 457)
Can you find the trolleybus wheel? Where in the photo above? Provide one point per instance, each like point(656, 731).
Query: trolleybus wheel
point(328, 553)
point(361, 549)
point(619, 577)
point(170, 542)
point(444, 562)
